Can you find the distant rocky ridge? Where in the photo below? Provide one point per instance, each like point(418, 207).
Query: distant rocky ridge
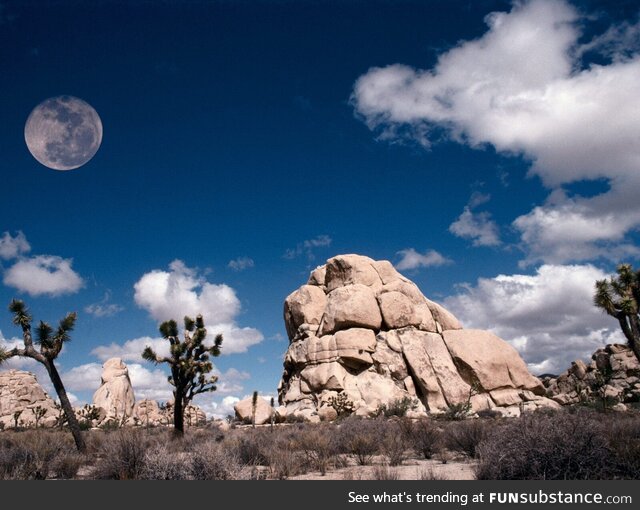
point(613, 373)
point(113, 402)
point(360, 328)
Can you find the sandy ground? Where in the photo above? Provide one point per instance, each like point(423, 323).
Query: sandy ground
point(411, 469)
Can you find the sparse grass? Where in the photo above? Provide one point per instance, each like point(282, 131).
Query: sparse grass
point(465, 436)
point(583, 445)
point(360, 438)
point(384, 472)
point(32, 454)
point(579, 444)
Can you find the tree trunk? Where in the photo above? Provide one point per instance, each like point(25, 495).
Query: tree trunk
point(178, 413)
point(74, 427)
point(634, 341)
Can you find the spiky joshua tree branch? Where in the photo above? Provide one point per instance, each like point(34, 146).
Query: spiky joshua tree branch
point(50, 342)
point(189, 361)
point(620, 298)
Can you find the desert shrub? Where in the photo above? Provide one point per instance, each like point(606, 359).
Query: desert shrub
point(622, 433)
point(159, 463)
point(250, 448)
point(398, 407)
point(66, 466)
point(551, 446)
point(394, 443)
point(489, 414)
point(122, 455)
point(29, 455)
point(318, 446)
point(16, 462)
point(457, 412)
point(424, 437)
point(428, 473)
point(360, 438)
point(465, 436)
point(212, 461)
point(382, 472)
point(342, 405)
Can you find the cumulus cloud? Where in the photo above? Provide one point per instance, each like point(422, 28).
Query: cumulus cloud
point(549, 317)
point(411, 259)
point(131, 350)
point(241, 263)
point(476, 226)
point(83, 377)
point(307, 247)
point(220, 409)
point(12, 247)
point(182, 291)
point(103, 308)
point(43, 275)
point(524, 89)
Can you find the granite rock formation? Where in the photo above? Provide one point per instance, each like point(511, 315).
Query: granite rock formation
point(115, 394)
point(21, 393)
point(613, 373)
point(361, 328)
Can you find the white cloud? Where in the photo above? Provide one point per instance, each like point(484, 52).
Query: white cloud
point(477, 226)
point(83, 377)
point(307, 247)
point(12, 247)
point(131, 350)
point(549, 317)
point(215, 409)
point(523, 89)
point(181, 291)
point(241, 263)
point(150, 384)
point(43, 275)
point(103, 308)
point(411, 259)
point(575, 228)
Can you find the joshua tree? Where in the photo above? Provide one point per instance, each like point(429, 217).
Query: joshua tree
point(189, 363)
point(50, 343)
point(272, 418)
point(16, 417)
point(620, 298)
point(38, 413)
point(254, 404)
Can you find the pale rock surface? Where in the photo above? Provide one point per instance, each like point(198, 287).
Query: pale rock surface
point(20, 391)
point(244, 410)
point(150, 414)
point(368, 332)
point(115, 394)
point(614, 370)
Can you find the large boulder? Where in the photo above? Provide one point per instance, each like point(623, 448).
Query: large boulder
point(361, 329)
point(21, 393)
point(244, 411)
point(115, 394)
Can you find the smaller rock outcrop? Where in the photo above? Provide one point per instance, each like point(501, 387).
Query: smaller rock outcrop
point(21, 393)
point(115, 394)
point(613, 373)
point(244, 411)
point(149, 414)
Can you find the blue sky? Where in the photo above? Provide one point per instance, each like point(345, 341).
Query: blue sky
point(488, 149)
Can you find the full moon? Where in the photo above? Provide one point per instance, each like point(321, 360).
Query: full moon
point(63, 132)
